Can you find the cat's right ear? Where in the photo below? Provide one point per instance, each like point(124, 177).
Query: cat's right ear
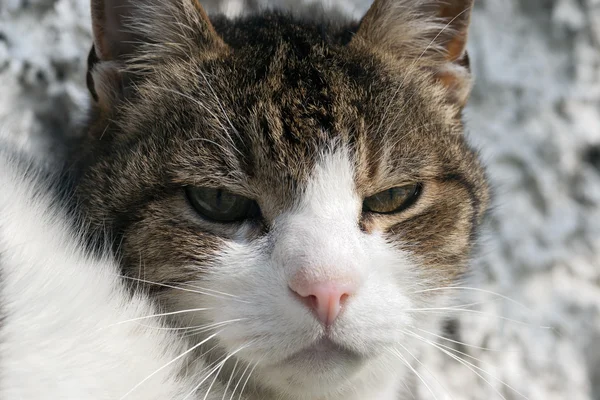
point(129, 35)
point(432, 34)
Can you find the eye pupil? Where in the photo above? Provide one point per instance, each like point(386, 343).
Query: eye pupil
point(392, 200)
point(221, 205)
point(224, 201)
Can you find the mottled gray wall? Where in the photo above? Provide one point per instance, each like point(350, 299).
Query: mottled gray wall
point(535, 113)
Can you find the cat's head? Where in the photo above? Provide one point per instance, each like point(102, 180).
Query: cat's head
point(305, 185)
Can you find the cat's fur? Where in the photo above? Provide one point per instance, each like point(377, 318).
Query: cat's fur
point(307, 117)
point(69, 327)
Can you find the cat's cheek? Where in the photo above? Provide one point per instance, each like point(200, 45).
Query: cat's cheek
point(381, 310)
point(267, 319)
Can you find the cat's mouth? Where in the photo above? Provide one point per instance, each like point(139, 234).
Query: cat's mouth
point(324, 351)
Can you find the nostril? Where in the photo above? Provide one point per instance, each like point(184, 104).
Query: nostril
point(313, 301)
point(344, 298)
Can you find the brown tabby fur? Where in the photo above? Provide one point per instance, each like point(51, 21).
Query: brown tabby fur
point(250, 105)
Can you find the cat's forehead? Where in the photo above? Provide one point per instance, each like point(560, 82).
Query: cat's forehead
point(261, 116)
point(278, 127)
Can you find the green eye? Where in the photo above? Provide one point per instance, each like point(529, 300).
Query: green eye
point(392, 200)
point(220, 205)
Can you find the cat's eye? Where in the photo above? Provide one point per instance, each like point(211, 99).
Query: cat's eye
point(392, 200)
point(221, 205)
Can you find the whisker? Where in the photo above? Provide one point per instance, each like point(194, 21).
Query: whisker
point(230, 379)
point(195, 330)
point(481, 313)
point(442, 31)
point(177, 287)
point(387, 149)
point(218, 102)
point(401, 357)
point(212, 370)
point(239, 381)
point(160, 315)
point(465, 355)
point(469, 365)
point(476, 290)
point(247, 379)
point(213, 381)
point(190, 98)
point(414, 64)
point(408, 389)
point(199, 139)
point(456, 307)
point(459, 342)
point(411, 68)
point(426, 369)
point(217, 369)
point(457, 359)
point(208, 290)
point(169, 363)
point(205, 108)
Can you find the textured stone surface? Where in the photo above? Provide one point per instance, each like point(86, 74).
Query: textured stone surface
point(535, 114)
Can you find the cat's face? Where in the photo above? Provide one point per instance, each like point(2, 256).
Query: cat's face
point(303, 188)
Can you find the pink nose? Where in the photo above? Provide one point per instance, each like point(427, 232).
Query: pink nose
point(325, 299)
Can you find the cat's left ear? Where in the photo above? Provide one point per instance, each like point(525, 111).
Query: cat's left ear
point(138, 33)
point(433, 33)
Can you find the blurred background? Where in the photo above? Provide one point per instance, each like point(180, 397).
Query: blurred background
point(532, 327)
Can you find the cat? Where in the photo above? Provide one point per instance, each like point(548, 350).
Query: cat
point(293, 191)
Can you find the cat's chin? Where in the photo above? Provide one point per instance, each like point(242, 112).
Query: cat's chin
point(324, 370)
point(322, 366)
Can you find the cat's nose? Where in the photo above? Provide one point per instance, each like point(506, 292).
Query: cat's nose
point(326, 299)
